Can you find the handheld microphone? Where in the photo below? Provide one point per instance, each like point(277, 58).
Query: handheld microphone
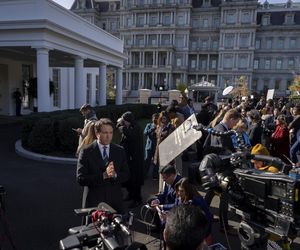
point(117, 219)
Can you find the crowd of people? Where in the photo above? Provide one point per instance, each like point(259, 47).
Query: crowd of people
point(265, 127)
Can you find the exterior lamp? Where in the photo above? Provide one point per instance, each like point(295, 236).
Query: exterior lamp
point(186, 91)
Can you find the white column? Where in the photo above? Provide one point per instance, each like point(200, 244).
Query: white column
point(129, 81)
point(143, 80)
point(102, 78)
point(119, 86)
point(93, 90)
point(260, 85)
point(80, 83)
point(168, 81)
point(43, 92)
point(140, 81)
point(167, 59)
point(153, 81)
point(272, 83)
point(208, 62)
point(283, 84)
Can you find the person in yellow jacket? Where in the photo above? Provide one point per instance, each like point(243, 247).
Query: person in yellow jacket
point(260, 149)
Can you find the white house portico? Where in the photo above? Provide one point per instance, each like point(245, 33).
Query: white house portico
point(44, 36)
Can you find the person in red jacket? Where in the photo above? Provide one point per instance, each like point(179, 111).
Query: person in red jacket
point(280, 145)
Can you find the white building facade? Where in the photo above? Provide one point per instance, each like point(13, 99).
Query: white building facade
point(171, 42)
point(39, 38)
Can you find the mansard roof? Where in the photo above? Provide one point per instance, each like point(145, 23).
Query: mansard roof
point(199, 3)
point(82, 4)
point(288, 5)
point(278, 17)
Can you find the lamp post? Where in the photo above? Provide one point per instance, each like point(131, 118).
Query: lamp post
point(186, 91)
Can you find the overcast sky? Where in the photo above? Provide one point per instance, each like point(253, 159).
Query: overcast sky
point(67, 3)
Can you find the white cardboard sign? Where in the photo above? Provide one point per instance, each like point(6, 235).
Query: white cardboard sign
point(179, 140)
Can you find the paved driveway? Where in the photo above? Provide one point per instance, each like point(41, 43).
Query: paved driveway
point(41, 197)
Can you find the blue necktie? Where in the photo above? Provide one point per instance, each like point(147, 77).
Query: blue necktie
point(105, 156)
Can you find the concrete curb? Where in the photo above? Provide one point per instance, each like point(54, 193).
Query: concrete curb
point(39, 157)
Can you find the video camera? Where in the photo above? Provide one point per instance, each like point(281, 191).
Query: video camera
point(107, 231)
point(267, 202)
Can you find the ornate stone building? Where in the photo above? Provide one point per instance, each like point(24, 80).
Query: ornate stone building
point(171, 42)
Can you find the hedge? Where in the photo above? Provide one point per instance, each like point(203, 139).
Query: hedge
point(52, 131)
point(42, 137)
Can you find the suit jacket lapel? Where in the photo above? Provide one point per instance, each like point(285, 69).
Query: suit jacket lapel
point(112, 152)
point(97, 155)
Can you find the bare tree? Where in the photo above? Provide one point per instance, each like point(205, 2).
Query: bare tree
point(241, 88)
point(295, 87)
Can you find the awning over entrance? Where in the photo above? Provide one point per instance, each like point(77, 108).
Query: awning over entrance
point(45, 34)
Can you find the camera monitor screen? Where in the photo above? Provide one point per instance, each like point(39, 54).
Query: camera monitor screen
point(278, 191)
point(256, 187)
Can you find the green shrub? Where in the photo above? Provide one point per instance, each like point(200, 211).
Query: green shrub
point(27, 127)
point(42, 137)
point(67, 138)
point(52, 131)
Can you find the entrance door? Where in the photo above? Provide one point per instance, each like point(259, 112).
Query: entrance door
point(4, 95)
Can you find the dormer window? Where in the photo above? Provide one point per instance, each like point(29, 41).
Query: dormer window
point(266, 5)
point(265, 20)
point(289, 18)
point(289, 4)
point(112, 6)
point(206, 3)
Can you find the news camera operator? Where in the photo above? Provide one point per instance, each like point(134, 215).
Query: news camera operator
point(220, 144)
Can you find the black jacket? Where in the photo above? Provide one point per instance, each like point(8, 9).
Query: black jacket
point(219, 144)
point(90, 168)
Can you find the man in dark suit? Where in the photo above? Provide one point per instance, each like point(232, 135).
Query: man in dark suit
point(189, 109)
point(222, 145)
point(132, 141)
point(165, 200)
point(102, 167)
point(18, 99)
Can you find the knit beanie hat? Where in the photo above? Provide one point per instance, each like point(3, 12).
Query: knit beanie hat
point(259, 149)
point(128, 116)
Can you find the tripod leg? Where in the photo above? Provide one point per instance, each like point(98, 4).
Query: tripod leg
point(6, 229)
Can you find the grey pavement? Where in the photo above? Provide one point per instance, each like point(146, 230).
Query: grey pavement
point(41, 197)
